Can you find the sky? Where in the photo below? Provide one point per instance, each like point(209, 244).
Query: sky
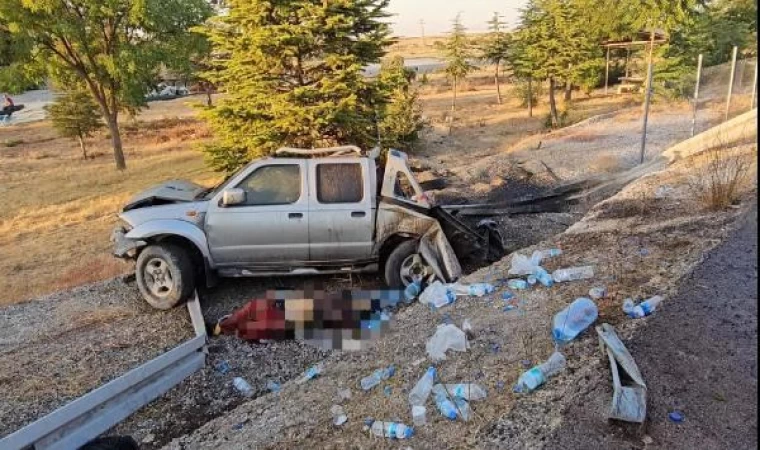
point(438, 14)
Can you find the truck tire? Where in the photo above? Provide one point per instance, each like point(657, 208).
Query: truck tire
point(165, 275)
point(395, 262)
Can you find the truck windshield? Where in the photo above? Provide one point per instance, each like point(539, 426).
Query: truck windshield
point(212, 191)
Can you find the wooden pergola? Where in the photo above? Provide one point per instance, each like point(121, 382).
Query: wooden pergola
point(642, 39)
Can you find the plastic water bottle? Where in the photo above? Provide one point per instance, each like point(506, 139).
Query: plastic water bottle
point(446, 407)
point(643, 309)
point(438, 295)
point(418, 415)
point(463, 408)
point(243, 387)
point(311, 373)
point(535, 377)
point(540, 255)
point(377, 376)
point(573, 274)
point(573, 320)
point(413, 291)
point(473, 290)
point(421, 391)
point(517, 284)
point(469, 392)
point(391, 430)
point(532, 280)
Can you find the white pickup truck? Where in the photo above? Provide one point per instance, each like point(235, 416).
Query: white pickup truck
point(299, 213)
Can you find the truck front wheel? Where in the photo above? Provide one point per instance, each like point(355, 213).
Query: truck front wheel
point(403, 265)
point(165, 276)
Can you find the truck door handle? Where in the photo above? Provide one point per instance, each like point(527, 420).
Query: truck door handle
point(295, 216)
point(358, 214)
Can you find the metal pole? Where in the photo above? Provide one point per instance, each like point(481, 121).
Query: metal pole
point(646, 113)
point(731, 82)
point(754, 89)
point(607, 74)
point(696, 96)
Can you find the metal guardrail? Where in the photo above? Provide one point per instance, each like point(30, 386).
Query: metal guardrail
point(87, 417)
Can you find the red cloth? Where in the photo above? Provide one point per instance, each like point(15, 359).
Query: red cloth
point(259, 319)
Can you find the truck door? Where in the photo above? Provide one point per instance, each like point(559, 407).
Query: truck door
point(271, 226)
point(341, 212)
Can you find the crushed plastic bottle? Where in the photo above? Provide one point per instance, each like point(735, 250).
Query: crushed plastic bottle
point(543, 276)
point(446, 407)
point(391, 430)
point(273, 386)
point(643, 309)
point(597, 292)
point(413, 291)
point(446, 337)
point(421, 391)
point(243, 387)
point(377, 377)
point(469, 392)
point(473, 290)
point(573, 274)
point(438, 295)
point(338, 415)
point(517, 284)
point(573, 320)
point(535, 377)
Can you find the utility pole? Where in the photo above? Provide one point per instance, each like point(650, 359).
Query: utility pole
point(696, 96)
point(754, 89)
point(731, 82)
point(422, 29)
point(647, 98)
point(607, 73)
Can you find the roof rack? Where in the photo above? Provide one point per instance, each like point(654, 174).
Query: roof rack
point(345, 150)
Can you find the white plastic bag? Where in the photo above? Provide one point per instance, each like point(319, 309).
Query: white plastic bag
point(438, 295)
point(521, 265)
point(446, 337)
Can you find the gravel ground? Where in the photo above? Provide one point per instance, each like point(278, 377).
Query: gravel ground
point(698, 355)
point(633, 254)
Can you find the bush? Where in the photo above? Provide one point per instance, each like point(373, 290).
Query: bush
point(719, 181)
point(521, 92)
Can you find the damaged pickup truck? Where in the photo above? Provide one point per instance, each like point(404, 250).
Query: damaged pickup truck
point(303, 212)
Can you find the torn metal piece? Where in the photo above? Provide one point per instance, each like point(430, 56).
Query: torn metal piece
point(629, 402)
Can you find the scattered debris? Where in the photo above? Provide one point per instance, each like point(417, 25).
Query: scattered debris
point(597, 293)
point(573, 320)
point(437, 295)
point(273, 386)
point(222, 367)
point(517, 284)
point(643, 309)
point(243, 387)
point(387, 391)
point(676, 416)
point(446, 337)
point(468, 391)
point(535, 377)
point(419, 415)
point(468, 330)
point(339, 416)
point(344, 395)
point(628, 402)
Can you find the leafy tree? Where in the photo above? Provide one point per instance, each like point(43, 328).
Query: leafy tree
point(457, 53)
point(495, 48)
point(524, 65)
point(401, 118)
point(75, 115)
point(114, 47)
point(293, 73)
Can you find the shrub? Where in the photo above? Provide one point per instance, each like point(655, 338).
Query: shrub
point(521, 92)
point(719, 180)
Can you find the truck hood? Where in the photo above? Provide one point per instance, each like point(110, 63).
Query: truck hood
point(175, 191)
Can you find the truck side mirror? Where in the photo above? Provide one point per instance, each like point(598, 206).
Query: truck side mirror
point(232, 197)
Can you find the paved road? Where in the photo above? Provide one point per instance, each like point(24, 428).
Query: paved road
point(698, 355)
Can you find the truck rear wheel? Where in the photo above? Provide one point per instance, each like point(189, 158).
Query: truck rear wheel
point(403, 264)
point(165, 276)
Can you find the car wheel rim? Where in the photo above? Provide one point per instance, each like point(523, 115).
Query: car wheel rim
point(413, 268)
point(158, 278)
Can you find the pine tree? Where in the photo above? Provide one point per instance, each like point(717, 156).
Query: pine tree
point(401, 117)
point(495, 49)
point(457, 53)
point(293, 73)
point(75, 115)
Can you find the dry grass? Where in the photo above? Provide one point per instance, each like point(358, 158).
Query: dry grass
point(722, 174)
point(56, 210)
